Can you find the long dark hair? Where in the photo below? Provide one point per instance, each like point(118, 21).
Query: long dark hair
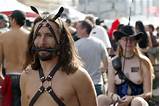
point(68, 57)
point(143, 43)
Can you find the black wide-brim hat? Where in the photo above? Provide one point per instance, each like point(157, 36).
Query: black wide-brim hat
point(127, 31)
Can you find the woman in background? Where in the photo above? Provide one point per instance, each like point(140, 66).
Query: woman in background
point(129, 73)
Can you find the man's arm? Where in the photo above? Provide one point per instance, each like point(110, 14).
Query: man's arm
point(22, 87)
point(84, 88)
point(105, 65)
point(1, 55)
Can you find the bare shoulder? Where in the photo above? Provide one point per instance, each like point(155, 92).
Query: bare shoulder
point(145, 58)
point(2, 36)
point(5, 36)
point(25, 31)
point(80, 77)
point(82, 71)
point(145, 61)
point(80, 74)
point(147, 66)
point(27, 73)
point(84, 88)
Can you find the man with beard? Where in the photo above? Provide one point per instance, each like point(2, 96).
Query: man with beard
point(55, 77)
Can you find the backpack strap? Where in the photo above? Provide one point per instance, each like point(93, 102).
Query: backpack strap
point(117, 65)
point(49, 89)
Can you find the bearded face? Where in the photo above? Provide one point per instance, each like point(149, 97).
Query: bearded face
point(46, 41)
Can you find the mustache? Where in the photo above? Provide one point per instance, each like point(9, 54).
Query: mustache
point(37, 49)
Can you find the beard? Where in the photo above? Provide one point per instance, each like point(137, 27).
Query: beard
point(45, 55)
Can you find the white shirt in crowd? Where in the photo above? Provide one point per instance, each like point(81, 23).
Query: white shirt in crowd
point(100, 33)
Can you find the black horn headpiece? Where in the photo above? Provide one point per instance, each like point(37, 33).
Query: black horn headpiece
point(46, 19)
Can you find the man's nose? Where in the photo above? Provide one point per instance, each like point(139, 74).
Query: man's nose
point(42, 40)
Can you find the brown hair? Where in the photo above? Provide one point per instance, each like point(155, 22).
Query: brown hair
point(68, 57)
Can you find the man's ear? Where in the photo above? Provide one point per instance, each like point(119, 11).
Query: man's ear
point(14, 21)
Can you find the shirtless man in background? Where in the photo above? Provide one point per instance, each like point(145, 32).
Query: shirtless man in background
point(13, 46)
point(56, 77)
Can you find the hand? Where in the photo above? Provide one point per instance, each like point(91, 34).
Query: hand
point(115, 98)
point(27, 69)
point(126, 99)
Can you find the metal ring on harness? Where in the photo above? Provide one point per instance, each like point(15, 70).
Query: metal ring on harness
point(46, 84)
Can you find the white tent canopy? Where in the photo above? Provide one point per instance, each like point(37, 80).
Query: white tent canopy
point(7, 6)
point(10, 5)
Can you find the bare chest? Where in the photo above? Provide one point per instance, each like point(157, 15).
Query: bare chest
point(132, 70)
point(60, 85)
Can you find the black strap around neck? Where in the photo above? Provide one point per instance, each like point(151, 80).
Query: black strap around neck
point(49, 89)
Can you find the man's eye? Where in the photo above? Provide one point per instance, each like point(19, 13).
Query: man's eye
point(38, 35)
point(50, 35)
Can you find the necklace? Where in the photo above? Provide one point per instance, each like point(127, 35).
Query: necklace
point(129, 56)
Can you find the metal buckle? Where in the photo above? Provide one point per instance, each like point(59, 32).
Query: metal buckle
point(46, 84)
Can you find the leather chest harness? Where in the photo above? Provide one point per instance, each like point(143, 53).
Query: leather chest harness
point(46, 81)
point(47, 86)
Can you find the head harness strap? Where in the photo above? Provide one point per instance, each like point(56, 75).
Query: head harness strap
point(50, 28)
point(46, 19)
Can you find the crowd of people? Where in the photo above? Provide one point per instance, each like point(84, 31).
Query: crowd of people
point(82, 63)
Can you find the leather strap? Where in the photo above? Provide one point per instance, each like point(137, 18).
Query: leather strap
point(50, 28)
point(117, 65)
point(49, 89)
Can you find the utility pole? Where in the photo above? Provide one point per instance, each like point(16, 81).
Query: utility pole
point(142, 6)
point(73, 3)
point(85, 6)
point(98, 8)
point(135, 10)
point(148, 10)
